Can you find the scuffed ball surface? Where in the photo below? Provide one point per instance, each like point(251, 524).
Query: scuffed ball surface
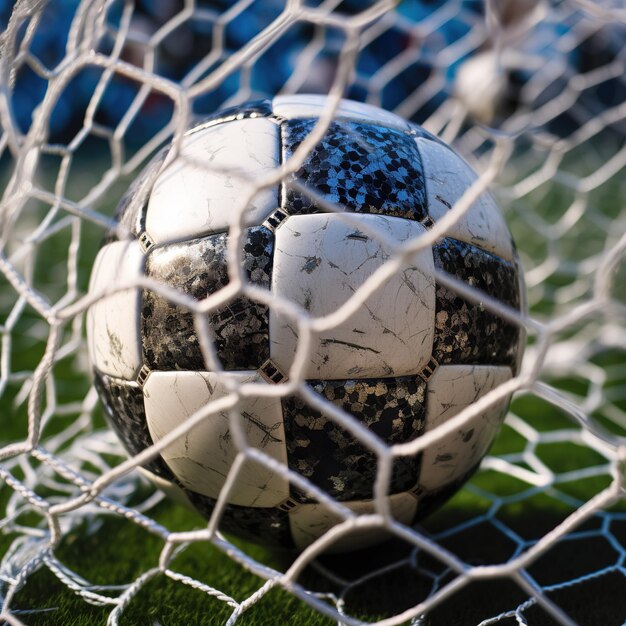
point(412, 357)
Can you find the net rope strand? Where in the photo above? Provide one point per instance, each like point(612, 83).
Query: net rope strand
point(554, 190)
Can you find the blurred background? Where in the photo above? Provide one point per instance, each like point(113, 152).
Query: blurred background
point(494, 57)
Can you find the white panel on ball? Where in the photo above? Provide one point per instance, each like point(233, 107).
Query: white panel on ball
point(310, 521)
point(202, 458)
point(113, 336)
point(447, 177)
point(195, 194)
point(319, 262)
point(451, 389)
point(299, 106)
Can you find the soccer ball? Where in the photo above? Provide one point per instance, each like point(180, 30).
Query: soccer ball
point(411, 357)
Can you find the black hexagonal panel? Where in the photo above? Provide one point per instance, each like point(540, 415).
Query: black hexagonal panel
point(466, 332)
point(361, 167)
point(199, 268)
point(331, 458)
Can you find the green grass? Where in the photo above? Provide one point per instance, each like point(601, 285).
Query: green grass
point(119, 551)
point(127, 551)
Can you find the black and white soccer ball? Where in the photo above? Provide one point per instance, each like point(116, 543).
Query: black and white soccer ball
point(411, 357)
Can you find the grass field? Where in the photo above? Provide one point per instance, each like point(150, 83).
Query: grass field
point(491, 521)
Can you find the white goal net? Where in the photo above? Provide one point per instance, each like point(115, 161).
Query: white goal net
point(531, 93)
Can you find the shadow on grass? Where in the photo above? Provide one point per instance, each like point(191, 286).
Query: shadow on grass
point(595, 599)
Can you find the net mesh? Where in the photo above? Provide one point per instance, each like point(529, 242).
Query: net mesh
point(531, 93)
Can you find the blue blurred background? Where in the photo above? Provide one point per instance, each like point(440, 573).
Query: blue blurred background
point(418, 33)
